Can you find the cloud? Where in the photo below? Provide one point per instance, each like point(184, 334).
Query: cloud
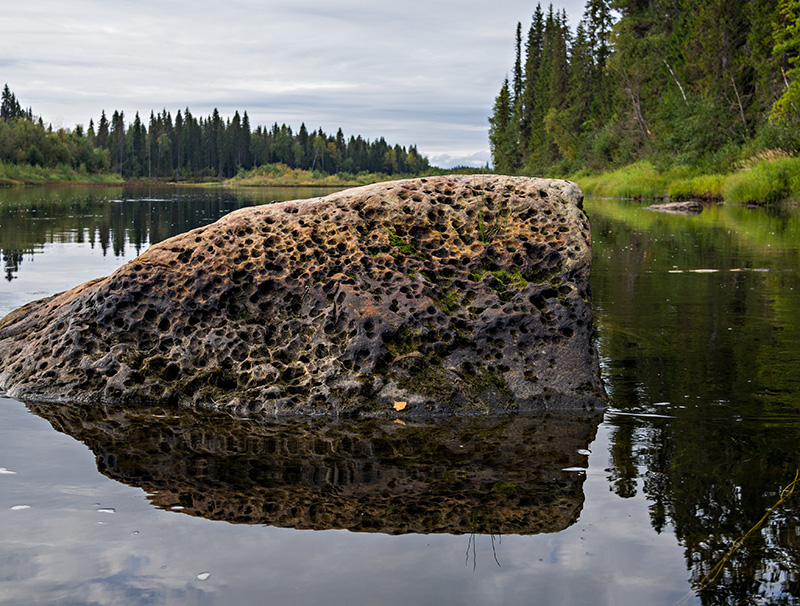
point(422, 73)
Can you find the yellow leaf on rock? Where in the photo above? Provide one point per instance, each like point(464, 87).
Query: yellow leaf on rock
point(400, 405)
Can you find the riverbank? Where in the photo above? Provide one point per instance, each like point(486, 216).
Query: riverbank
point(769, 179)
point(24, 174)
point(269, 175)
point(280, 175)
point(766, 180)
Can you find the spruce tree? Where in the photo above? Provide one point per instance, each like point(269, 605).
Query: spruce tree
point(501, 140)
point(787, 48)
point(102, 131)
point(533, 60)
point(518, 67)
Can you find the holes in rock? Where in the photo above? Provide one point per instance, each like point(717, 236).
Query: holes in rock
point(369, 327)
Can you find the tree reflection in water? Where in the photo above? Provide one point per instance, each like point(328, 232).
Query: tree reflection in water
point(697, 327)
point(113, 218)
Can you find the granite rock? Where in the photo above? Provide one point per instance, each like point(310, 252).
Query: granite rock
point(458, 294)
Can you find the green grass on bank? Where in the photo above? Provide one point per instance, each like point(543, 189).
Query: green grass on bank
point(268, 175)
point(25, 174)
point(760, 181)
point(766, 182)
point(280, 175)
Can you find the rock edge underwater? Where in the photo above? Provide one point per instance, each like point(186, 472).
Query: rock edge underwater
point(443, 295)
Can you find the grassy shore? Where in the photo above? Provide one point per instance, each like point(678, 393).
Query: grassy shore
point(280, 175)
point(765, 180)
point(24, 174)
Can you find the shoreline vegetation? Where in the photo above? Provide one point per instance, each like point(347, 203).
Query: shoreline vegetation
point(772, 179)
point(766, 180)
point(268, 175)
point(187, 149)
point(15, 175)
point(657, 99)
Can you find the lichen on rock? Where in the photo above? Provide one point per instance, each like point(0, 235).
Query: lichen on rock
point(459, 294)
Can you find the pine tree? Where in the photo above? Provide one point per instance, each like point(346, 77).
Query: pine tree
point(9, 106)
point(245, 141)
point(598, 22)
point(518, 68)
point(116, 141)
point(787, 47)
point(102, 131)
point(501, 139)
point(138, 145)
point(179, 143)
point(529, 120)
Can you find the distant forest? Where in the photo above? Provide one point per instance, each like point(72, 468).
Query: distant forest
point(190, 147)
point(702, 83)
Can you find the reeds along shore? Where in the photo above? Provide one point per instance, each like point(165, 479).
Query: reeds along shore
point(769, 179)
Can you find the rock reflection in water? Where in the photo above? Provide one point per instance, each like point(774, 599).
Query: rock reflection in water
point(460, 475)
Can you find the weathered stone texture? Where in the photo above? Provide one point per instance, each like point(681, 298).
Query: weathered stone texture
point(463, 294)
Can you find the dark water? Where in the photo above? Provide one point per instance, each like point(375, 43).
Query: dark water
point(696, 323)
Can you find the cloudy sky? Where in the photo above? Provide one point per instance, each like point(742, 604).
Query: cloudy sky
point(414, 72)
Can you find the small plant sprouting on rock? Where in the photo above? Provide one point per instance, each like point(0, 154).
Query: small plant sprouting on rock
point(402, 246)
point(487, 233)
point(399, 243)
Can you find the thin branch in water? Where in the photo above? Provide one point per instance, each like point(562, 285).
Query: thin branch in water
point(712, 575)
point(494, 550)
point(471, 543)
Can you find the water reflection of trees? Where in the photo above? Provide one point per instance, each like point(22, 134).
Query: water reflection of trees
point(113, 219)
point(709, 363)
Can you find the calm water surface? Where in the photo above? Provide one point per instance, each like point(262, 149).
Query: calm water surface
point(696, 322)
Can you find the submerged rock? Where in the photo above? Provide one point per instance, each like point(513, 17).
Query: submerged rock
point(685, 207)
point(461, 294)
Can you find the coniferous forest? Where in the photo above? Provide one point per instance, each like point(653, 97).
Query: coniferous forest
point(185, 146)
point(701, 83)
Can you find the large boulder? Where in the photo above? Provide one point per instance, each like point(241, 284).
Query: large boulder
point(460, 294)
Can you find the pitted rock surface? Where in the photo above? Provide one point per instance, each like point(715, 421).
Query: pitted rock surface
point(460, 294)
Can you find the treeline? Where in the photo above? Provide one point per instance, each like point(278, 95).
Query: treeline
point(190, 147)
point(700, 83)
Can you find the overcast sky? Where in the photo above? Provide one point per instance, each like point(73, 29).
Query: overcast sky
point(415, 72)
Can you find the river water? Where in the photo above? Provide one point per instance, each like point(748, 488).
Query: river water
point(681, 493)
